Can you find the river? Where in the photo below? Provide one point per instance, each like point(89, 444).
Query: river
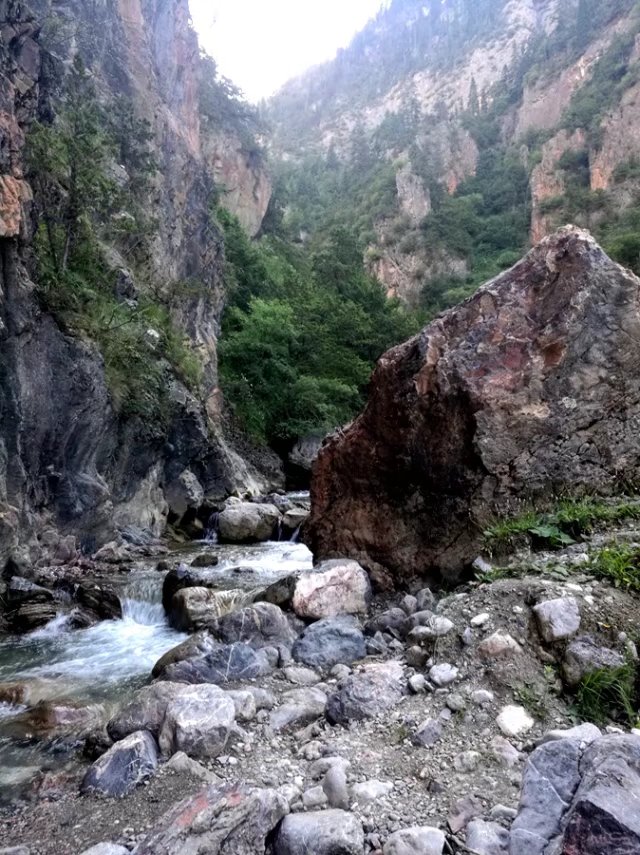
point(94, 669)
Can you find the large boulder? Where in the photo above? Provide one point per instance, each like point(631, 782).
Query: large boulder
point(231, 819)
point(335, 588)
point(578, 799)
point(248, 522)
point(260, 625)
point(202, 659)
point(145, 711)
point(328, 832)
point(329, 642)
point(528, 389)
point(199, 721)
point(195, 608)
point(367, 693)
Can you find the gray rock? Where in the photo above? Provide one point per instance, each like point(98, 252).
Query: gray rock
point(198, 721)
point(185, 765)
point(371, 791)
point(259, 625)
point(205, 559)
point(335, 787)
point(329, 832)
point(245, 704)
point(428, 733)
point(193, 608)
point(583, 656)
point(339, 587)
point(202, 659)
point(248, 522)
point(103, 849)
point(394, 621)
point(487, 838)
point(125, 765)
point(418, 684)
point(443, 675)
point(409, 604)
point(330, 642)
point(301, 676)
point(584, 733)
point(232, 819)
point(300, 707)
point(314, 798)
point(373, 690)
point(145, 712)
point(419, 840)
point(183, 493)
point(558, 619)
point(426, 600)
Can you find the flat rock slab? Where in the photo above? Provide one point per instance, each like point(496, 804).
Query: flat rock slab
point(328, 832)
point(335, 588)
point(233, 819)
point(371, 691)
point(124, 766)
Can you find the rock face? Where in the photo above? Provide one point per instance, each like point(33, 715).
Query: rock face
point(65, 450)
point(525, 390)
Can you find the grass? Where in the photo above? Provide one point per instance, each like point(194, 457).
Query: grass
point(570, 520)
point(608, 694)
point(619, 564)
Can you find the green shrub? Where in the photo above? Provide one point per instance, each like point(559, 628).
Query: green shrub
point(608, 694)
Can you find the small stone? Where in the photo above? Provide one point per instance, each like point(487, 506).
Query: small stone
point(301, 676)
point(498, 645)
point(456, 703)
point(422, 840)
point(426, 600)
point(335, 787)
point(514, 721)
point(416, 657)
point(467, 761)
point(417, 684)
point(480, 620)
point(558, 619)
point(371, 791)
point(487, 838)
point(443, 675)
point(505, 752)
point(314, 798)
point(409, 604)
point(502, 813)
point(482, 697)
point(428, 733)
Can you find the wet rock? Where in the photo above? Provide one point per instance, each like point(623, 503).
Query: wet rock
point(177, 579)
point(101, 600)
point(145, 712)
point(487, 838)
point(260, 625)
point(193, 608)
point(14, 693)
point(514, 721)
point(583, 656)
point(125, 765)
point(300, 707)
point(334, 588)
point(280, 593)
point(558, 619)
point(329, 832)
point(231, 819)
point(487, 383)
point(202, 659)
point(419, 840)
point(293, 519)
point(330, 642)
point(205, 559)
point(498, 646)
point(60, 715)
point(198, 721)
point(27, 605)
point(248, 522)
point(371, 691)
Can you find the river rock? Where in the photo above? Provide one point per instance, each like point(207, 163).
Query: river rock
point(145, 712)
point(231, 819)
point(300, 707)
point(193, 608)
point(205, 559)
point(420, 840)
point(260, 625)
point(496, 400)
point(101, 600)
point(125, 765)
point(327, 832)
point(198, 721)
point(330, 642)
point(176, 579)
point(334, 588)
point(247, 522)
point(293, 519)
point(209, 661)
point(27, 605)
point(245, 704)
point(558, 619)
point(583, 656)
point(487, 838)
point(371, 691)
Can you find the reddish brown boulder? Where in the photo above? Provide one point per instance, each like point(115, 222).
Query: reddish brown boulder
point(528, 389)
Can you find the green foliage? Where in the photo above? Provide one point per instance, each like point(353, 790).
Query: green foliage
point(620, 564)
point(301, 332)
point(567, 522)
point(608, 694)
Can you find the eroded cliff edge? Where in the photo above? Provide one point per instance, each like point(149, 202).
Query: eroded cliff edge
point(73, 464)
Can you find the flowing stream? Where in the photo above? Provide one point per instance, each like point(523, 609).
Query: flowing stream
point(89, 671)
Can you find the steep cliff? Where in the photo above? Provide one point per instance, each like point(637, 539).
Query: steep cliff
point(478, 102)
point(80, 454)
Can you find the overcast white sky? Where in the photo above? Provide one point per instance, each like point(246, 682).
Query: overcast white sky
point(260, 44)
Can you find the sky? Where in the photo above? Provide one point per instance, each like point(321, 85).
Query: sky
point(260, 44)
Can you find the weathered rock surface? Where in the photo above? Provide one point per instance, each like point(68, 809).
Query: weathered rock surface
point(124, 766)
point(334, 588)
point(202, 659)
point(558, 619)
point(580, 801)
point(513, 395)
point(330, 642)
point(145, 712)
point(259, 625)
point(246, 522)
point(584, 656)
point(327, 832)
point(411, 841)
point(232, 819)
point(368, 693)
point(193, 608)
point(198, 721)
point(300, 707)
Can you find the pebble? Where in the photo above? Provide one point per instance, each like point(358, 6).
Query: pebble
point(314, 798)
point(417, 684)
point(443, 675)
point(371, 791)
point(480, 620)
point(482, 697)
point(514, 721)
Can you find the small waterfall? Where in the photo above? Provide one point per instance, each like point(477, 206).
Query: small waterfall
point(278, 531)
point(142, 602)
point(295, 537)
point(211, 531)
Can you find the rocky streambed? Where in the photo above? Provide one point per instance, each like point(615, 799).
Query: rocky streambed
point(319, 718)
